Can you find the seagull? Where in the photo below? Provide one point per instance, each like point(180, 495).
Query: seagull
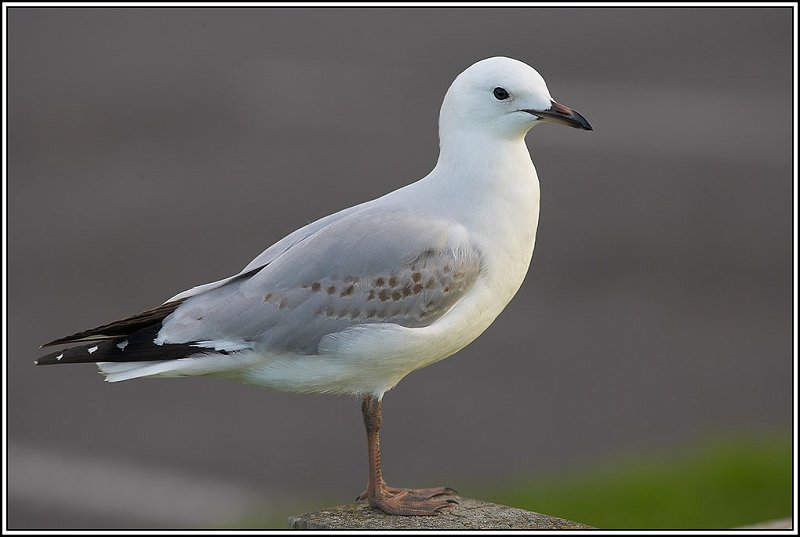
point(355, 301)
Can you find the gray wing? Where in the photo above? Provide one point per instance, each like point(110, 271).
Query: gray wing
point(276, 250)
point(369, 267)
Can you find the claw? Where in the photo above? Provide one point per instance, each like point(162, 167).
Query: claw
point(439, 509)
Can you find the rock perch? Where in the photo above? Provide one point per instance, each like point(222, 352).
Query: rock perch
point(470, 514)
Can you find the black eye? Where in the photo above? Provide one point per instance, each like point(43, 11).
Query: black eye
point(500, 94)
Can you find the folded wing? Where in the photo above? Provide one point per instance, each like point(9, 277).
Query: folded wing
point(388, 266)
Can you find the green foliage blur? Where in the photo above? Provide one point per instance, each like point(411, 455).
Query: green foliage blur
point(724, 483)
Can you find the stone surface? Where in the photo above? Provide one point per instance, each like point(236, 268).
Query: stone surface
point(468, 514)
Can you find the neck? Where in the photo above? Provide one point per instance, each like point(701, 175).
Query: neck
point(478, 178)
point(484, 165)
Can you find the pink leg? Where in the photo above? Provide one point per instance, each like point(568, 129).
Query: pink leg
point(392, 500)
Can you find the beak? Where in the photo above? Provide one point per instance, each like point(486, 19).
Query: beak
point(558, 113)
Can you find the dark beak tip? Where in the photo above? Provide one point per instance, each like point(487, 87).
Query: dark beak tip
point(559, 113)
point(578, 121)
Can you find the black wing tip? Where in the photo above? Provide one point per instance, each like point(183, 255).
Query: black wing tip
point(54, 358)
point(58, 341)
point(74, 339)
point(137, 347)
point(120, 328)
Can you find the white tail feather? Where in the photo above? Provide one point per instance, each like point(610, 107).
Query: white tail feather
point(199, 364)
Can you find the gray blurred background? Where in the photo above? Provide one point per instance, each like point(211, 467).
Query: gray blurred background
point(151, 150)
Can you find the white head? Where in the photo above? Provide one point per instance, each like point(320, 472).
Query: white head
point(501, 98)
